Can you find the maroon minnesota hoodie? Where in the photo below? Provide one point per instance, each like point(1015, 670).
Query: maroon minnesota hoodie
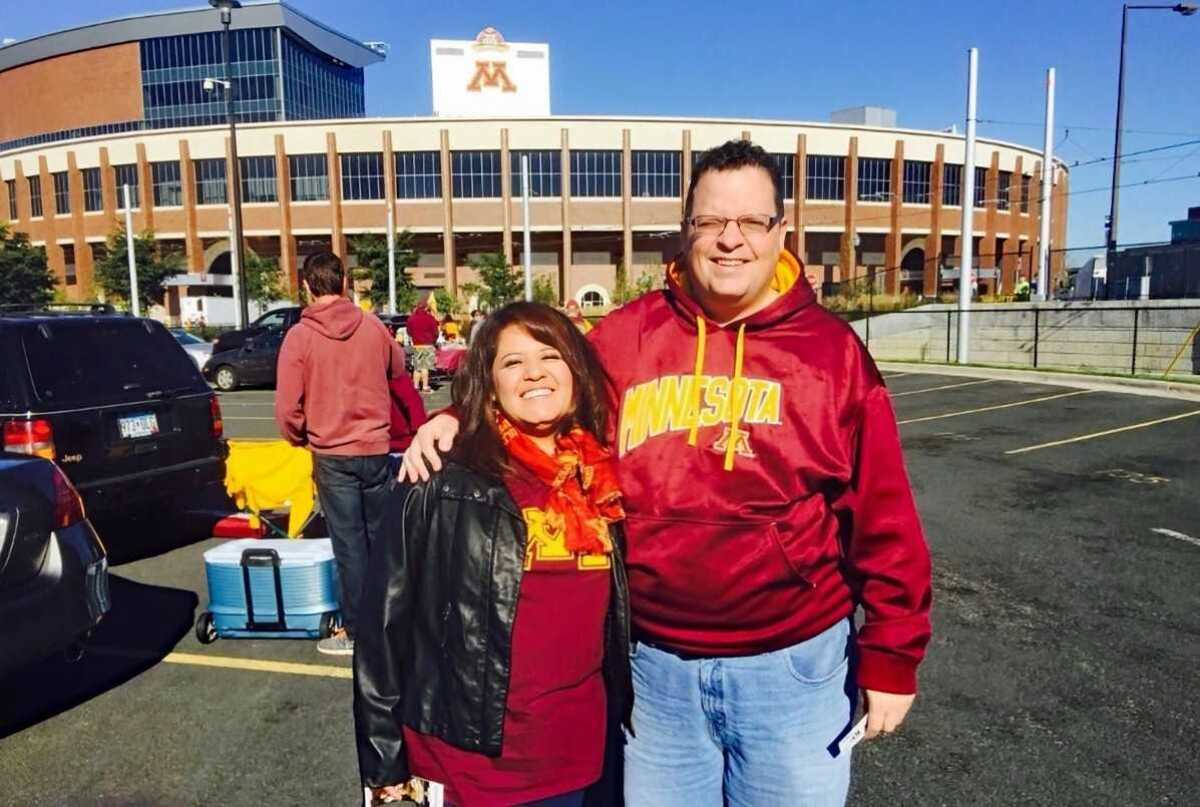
point(764, 484)
point(331, 390)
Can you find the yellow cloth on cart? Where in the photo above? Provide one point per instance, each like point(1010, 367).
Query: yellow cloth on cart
point(265, 475)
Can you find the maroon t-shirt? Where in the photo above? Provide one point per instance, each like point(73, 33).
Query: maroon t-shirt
point(554, 721)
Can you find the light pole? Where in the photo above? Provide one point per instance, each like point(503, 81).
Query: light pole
point(1187, 10)
point(226, 8)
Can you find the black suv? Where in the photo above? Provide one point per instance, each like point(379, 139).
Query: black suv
point(248, 356)
point(117, 403)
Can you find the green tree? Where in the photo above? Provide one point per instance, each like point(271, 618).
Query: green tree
point(24, 276)
point(649, 280)
point(264, 281)
point(445, 303)
point(371, 251)
point(545, 290)
point(154, 266)
point(499, 283)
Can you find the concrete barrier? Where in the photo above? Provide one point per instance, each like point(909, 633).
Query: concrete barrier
point(1078, 335)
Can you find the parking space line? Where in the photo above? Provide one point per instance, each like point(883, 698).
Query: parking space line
point(999, 406)
point(945, 386)
point(1105, 433)
point(246, 417)
point(258, 665)
point(1174, 534)
point(894, 375)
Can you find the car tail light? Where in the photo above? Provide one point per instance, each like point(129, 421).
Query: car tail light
point(68, 505)
point(218, 425)
point(34, 437)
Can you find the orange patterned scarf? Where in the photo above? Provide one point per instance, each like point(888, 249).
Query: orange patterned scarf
point(584, 496)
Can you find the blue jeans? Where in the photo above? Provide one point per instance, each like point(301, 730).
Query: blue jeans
point(746, 731)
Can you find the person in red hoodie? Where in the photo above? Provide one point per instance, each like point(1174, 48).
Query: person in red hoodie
point(332, 397)
point(423, 329)
point(766, 500)
point(407, 413)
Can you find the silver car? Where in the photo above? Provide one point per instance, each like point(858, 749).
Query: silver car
point(194, 346)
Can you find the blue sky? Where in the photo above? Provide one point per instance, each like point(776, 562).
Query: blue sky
point(801, 60)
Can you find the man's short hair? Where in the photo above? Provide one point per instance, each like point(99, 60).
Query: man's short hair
point(730, 156)
point(324, 274)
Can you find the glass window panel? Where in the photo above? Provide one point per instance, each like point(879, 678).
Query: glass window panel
point(35, 196)
point(916, 181)
point(62, 193)
point(952, 185)
point(418, 174)
point(656, 174)
point(980, 187)
point(1003, 189)
point(874, 179)
point(258, 179)
point(362, 176)
point(127, 175)
point(211, 187)
point(826, 177)
point(11, 186)
point(545, 172)
point(786, 164)
point(1024, 193)
point(310, 177)
point(168, 189)
point(475, 174)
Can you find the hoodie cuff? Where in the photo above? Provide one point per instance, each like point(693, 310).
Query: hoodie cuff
point(886, 672)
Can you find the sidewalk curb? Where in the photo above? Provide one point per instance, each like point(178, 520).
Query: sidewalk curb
point(1125, 386)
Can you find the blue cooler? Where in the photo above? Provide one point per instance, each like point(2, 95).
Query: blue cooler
point(249, 579)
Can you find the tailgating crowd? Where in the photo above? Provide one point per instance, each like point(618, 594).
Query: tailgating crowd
point(624, 565)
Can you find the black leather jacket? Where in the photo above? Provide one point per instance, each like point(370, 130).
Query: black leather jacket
point(433, 644)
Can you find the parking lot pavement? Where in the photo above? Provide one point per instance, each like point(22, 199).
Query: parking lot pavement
point(1061, 671)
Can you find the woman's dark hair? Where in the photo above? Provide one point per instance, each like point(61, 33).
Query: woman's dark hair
point(474, 392)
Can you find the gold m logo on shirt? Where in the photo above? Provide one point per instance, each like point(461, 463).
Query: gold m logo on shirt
point(547, 542)
point(667, 404)
point(491, 74)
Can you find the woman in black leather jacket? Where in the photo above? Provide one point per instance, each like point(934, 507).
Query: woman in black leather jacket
point(492, 652)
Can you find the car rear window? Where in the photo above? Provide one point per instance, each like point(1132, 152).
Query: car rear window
point(96, 362)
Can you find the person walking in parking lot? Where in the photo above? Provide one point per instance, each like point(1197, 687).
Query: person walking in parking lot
point(333, 398)
point(423, 330)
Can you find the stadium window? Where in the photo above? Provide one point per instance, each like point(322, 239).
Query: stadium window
point(93, 193)
point(168, 189)
point(826, 177)
point(418, 174)
point(211, 188)
point(475, 174)
point(1024, 193)
point(362, 176)
point(786, 164)
point(981, 187)
point(69, 277)
point(127, 175)
point(62, 193)
point(596, 173)
point(656, 174)
point(952, 185)
point(11, 185)
point(310, 177)
point(874, 179)
point(35, 196)
point(545, 172)
point(916, 181)
point(258, 180)
point(1003, 190)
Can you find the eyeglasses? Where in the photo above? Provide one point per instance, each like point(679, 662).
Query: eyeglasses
point(749, 225)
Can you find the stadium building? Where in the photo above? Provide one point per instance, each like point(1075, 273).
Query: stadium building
point(88, 110)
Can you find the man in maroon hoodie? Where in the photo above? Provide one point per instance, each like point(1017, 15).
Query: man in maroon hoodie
point(767, 500)
point(332, 397)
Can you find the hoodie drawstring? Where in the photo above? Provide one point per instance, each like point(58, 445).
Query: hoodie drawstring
point(700, 338)
point(734, 409)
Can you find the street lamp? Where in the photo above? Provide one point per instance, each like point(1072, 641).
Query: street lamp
point(225, 7)
point(1185, 9)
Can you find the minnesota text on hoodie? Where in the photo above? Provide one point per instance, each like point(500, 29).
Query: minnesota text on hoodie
point(332, 381)
point(764, 484)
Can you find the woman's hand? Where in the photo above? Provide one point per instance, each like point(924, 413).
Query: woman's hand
point(433, 438)
point(885, 711)
point(386, 795)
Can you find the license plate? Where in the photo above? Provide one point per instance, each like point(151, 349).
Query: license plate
point(136, 426)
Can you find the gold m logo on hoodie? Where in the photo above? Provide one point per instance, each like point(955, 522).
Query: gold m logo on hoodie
point(672, 403)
